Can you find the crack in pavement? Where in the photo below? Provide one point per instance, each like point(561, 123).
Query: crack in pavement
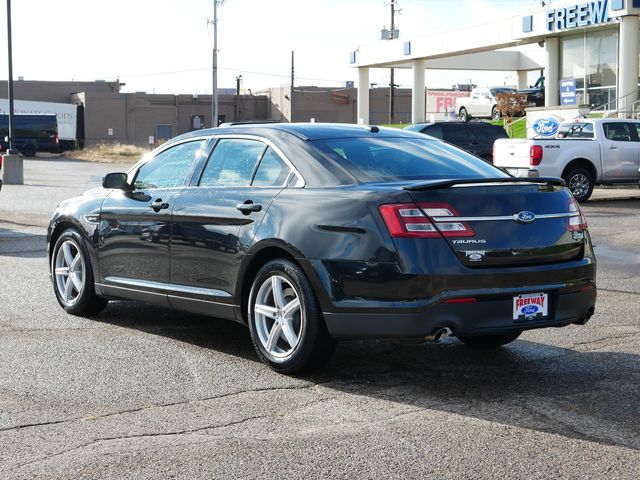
point(149, 407)
point(201, 429)
point(613, 290)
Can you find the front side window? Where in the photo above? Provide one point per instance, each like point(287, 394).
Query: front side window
point(395, 159)
point(170, 168)
point(618, 132)
point(232, 162)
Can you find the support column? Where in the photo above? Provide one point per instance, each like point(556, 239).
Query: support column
point(417, 93)
point(628, 65)
point(522, 79)
point(551, 77)
point(363, 95)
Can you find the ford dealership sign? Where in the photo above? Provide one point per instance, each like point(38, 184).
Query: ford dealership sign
point(546, 126)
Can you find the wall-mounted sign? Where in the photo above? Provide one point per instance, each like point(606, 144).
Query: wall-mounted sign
point(546, 126)
point(578, 15)
point(567, 92)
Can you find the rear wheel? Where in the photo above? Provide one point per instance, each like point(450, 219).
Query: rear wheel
point(286, 324)
point(490, 341)
point(495, 113)
point(580, 182)
point(29, 151)
point(463, 115)
point(72, 275)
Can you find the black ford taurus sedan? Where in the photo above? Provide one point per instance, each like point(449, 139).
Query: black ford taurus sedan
point(312, 233)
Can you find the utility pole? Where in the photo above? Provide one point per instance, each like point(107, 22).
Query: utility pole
point(291, 93)
point(10, 82)
point(392, 4)
point(214, 69)
point(238, 83)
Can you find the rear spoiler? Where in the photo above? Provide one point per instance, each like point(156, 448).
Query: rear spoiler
point(438, 184)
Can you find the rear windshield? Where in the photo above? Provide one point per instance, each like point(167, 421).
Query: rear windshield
point(396, 159)
point(575, 130)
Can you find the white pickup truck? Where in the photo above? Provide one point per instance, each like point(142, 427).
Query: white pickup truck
point(585, 153)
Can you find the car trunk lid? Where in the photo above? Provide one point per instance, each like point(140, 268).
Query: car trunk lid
point(499, 222)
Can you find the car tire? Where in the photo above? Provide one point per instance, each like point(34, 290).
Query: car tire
point(495, 113)
point(72, 275)
point(580, 182)
point(490, 341)
point(463, 115)
point(286, 324)
point(29, 151)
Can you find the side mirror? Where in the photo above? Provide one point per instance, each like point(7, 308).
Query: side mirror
point(116, 181)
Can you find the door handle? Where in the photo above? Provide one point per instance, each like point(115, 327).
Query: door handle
point(158, 205)
point(248, 207)
point(613, 147)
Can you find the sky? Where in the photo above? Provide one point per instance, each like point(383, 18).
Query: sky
point(165, 46)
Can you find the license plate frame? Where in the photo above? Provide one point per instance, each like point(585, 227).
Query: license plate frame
point(530, 306)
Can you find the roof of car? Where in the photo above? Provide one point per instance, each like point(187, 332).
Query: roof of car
point(306, 131)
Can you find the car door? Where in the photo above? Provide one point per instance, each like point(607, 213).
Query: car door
point(620, 151)
point(215, 221)
point(135, 226)
point(474, 102)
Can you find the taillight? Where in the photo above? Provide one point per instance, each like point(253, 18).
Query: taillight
point(535, 155)
point(423, 220)
point(577, 223)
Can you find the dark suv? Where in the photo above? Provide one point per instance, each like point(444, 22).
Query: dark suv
point(474, 137)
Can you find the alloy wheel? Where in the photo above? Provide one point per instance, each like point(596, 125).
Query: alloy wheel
point(579, 185)
point(70, 273)
point(278, 317)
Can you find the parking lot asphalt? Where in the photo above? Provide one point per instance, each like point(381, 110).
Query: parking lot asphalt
point(142, 392)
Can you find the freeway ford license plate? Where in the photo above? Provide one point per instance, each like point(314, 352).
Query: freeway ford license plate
point(530, 306)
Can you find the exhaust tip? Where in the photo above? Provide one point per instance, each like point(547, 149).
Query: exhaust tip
point(438, 335)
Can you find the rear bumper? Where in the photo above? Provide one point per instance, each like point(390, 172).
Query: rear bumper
point(492, 313)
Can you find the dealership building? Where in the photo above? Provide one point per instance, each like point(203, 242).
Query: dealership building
point(594, 45)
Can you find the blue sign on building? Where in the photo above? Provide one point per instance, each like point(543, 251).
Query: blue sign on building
point(567, 92)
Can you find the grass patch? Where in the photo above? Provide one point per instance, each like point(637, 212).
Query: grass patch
point(394, 125)
point(518, 128)
point(108, 153)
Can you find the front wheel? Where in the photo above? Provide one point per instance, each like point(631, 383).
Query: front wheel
point(463, 115)
point(580, 182)
point(490, 341)
point(72, 275)
point(287, 328)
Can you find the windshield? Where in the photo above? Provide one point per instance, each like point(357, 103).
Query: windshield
point(395, 159)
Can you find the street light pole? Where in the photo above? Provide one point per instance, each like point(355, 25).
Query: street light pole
point(10, 82)
point(214, 89)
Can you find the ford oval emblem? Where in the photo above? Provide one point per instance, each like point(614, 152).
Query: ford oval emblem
point(524, 217)
point(546, 127)
point(530, 309)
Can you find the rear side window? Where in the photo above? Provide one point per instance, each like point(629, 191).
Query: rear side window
point(618, 132)
point(232, 162)
point(170, 168)
point(395, 159)
point(272, 171)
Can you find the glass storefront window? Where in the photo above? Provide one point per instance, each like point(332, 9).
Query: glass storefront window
point(591, 58)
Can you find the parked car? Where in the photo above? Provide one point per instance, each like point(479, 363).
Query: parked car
point(474, 137)
point(313, 233)
point(535, 93)
point(33, 133)
point(481, 103)
point(591, 152)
